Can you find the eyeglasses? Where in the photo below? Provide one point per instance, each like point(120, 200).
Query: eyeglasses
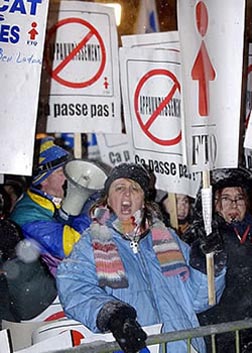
point(228, 202)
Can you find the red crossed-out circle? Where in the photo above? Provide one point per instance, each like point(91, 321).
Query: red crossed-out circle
point(55, 73)
point(145, 127)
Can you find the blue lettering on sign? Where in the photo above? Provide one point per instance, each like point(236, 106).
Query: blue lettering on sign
point(21, 59)
point(3, 57)
point(9, 34)
point(24, 7)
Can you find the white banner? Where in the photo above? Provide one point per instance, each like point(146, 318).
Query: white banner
point(5, 341)
point(168, 40)
point(211, 37)
point(114, 148)
point(22, 34)
point(248, 122)
point(81, 74)
point(151, 89)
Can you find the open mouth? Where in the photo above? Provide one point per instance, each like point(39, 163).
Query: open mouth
point(126, 208)
point(233, 217)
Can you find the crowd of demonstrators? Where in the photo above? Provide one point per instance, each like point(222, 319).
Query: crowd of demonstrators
point(129, 270)
point(34, 236)
point(232, 194)
point(37, 212)
point(126, 255)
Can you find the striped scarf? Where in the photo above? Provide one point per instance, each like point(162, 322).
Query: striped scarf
point(109, 267)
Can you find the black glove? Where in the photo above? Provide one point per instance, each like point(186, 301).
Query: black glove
point(208, 243)
point(120, 319)
point(205, 244)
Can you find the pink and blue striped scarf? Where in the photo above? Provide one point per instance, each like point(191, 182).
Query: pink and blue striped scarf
point(109, 266)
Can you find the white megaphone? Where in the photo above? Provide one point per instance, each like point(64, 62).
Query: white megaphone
point(83, 179)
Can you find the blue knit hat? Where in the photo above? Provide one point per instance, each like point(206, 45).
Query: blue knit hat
point(51, 157)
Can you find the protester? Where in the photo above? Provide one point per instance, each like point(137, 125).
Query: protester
point(183, 211)
point(5, 203)
point(128, 270)
point(37, 212)
point(232, 189)
point(27, 288)
point(15, 186)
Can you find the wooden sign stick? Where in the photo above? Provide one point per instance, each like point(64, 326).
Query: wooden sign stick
point(173, 210)
point(77, 146)
point(206, 194)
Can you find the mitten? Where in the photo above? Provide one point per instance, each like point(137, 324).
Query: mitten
point(120, 319)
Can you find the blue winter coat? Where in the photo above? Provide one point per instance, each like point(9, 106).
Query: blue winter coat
point(36, 213)
point(156, 298)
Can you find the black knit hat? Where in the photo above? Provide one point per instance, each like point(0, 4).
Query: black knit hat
point(131, 171)
point(231, 177)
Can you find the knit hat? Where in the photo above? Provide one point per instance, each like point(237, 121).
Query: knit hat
point(51, 157)
point(131, 171)
point(231, 177)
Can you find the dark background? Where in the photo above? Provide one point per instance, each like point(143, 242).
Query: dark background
point(167, 15)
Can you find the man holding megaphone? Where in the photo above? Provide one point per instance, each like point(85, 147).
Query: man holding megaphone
point(46, 215)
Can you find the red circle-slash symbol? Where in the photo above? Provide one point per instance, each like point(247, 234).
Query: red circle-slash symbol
point(146, 126)
point(55, 73)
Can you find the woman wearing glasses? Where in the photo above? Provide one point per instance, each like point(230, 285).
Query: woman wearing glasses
point(232, 188)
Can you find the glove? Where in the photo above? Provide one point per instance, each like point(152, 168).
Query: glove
point(208, 243)
point(205, 244)
point(120, 319)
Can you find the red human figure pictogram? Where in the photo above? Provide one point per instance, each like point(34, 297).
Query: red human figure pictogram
point(203, 70)
point(106, 84)
point(33, 32)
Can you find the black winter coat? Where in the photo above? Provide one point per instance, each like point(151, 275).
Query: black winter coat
point(236, 301)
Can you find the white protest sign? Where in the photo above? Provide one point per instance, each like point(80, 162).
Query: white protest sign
point(151, 91)
point(211, 37)
point(22, 33)
point(114, 148)
point(81, 74)
point(62, 341)
point(5, 342)
point(169, 40)
point(52, 332)
point(248, 122)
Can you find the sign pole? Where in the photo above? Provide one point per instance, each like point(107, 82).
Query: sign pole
point(173, 210)
point(77, 146)
point(206, 194)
